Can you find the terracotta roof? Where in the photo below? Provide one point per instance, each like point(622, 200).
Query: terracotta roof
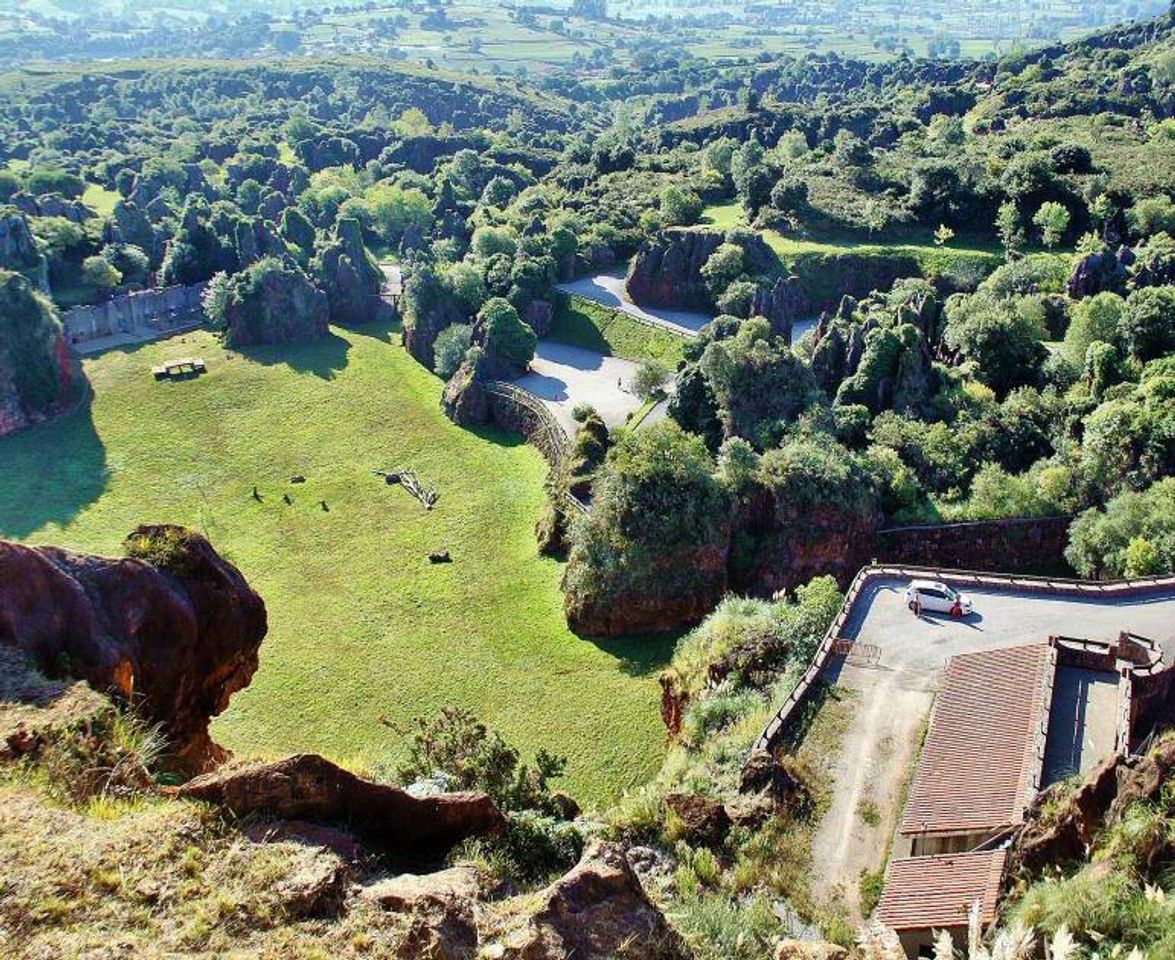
point(980, 766)
point(936, 893)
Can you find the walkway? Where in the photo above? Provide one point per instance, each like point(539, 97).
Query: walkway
point(1083, 722)
point(563, 376)
point(894, 695)
point(608, 289)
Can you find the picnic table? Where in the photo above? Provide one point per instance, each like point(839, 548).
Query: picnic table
point(179, 369)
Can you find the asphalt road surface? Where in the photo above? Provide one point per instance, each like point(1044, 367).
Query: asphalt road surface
point(563, 376)
point(894, 676)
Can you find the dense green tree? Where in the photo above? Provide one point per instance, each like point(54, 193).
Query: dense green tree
point(1006, 346)
point(1148, 322)
point(1133, 536)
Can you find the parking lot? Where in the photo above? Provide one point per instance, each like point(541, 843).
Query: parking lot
point(895, 687)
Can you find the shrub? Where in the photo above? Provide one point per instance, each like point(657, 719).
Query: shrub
point(1096, 318)
point(1132, 536)
point(450, 348)
point(461, 750)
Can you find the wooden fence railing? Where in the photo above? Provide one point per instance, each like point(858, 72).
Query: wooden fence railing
point(540, 428)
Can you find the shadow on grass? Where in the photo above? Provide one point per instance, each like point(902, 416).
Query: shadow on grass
point(52, 471)
point(323, 357)
point(386, 329)
point(643, 655)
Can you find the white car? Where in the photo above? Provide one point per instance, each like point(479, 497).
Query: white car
point(932, 596)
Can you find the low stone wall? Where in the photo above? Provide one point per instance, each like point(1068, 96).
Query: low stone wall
point(1033, 544)
point(513, 409)
point(144, 312)
point(519, 412)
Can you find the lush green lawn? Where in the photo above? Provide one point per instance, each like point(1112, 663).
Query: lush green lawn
point(362, 626)
point(99, 199)
point(593, 326)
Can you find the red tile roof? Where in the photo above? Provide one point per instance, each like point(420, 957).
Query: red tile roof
point(980, 766)
point(936, 893)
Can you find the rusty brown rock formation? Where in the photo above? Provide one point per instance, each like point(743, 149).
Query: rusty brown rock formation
point(176, 637)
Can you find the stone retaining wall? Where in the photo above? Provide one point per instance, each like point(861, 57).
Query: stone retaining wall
point(1034, 544)
point(142, 313)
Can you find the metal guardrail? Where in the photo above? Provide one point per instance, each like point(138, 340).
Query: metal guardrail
point(1060, 586)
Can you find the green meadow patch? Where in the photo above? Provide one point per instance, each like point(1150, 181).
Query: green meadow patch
point(363, 628)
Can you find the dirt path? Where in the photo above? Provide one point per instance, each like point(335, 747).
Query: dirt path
point(876, 751)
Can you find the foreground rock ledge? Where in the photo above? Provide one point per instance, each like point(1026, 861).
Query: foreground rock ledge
point(177, 636)
point(310, 787)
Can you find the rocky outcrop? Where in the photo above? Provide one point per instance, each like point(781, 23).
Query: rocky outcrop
point(667, 270)
point(36, 371)
point(350, 278)
point(785, 548)
point(464, 400)
point(310, 787)
point(273, 302)
point(704, 822)
point(1098, 272)
point(782, 303)
point(18, 249)
point(622, 612)
point(175, 633)
point(598, 911)
point(540, 317)
point(1061, 826)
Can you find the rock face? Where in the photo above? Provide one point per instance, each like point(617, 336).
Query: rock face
point(464, 400)
point(310, 787)
point(1062, 837)
point(667, 270)
point(782, 303)
point(598, 911)
point(705, 821)
point(345, 271)
point(1099, 272)
point(274, 302)
point(18, 249)
point(620, 613)
point(36, 372)
point(787, 548)
point(177, 636)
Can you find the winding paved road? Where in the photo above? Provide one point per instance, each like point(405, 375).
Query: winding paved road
point(563, 376)
point(608, 289)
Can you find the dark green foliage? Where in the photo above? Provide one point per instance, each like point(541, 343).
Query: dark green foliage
point(272, 302)
point(504, 337)
point(1133, 536)
point(1148, 322)
point(816, 473)
point(30, 356)
point(1005, 344)
point(655, 505)
point(459, 748)
point(759, 384)
point(694, 408)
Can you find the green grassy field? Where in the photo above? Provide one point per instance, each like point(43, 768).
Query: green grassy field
point(362, 626)
point(593, 326)
point(819, 259)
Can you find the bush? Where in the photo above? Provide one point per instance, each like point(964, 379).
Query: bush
point(1148, 322)
point(1133, 536)
point(462, 751)
point(450, 348)
point(540, 846)
point(1096, 318)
